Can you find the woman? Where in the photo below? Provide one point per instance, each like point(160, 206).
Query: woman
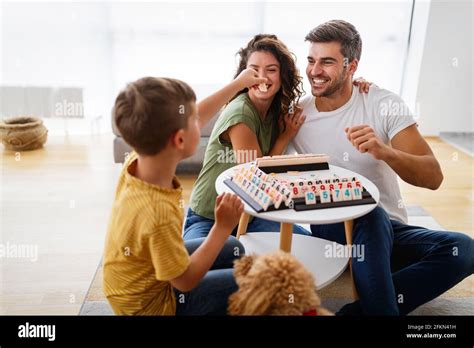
point(258, 121)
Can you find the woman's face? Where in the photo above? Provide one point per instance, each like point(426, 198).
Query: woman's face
point(266, 65)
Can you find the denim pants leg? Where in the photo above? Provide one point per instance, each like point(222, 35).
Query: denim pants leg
point(426, 263)
point(231, 251)
point(197, 226)
point(210, 296)
point(372, 275)
point(261, 225)
point(404, 266)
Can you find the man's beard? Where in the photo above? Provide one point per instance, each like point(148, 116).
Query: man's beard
point(334, 86)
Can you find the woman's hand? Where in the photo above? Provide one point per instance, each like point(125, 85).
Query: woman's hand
point(363, 84)
point(209, 106)
point(248, 78)
point(292, 123)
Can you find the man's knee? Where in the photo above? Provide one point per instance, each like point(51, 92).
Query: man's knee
point(377, 215)
point(374, 226)
point(461, 247)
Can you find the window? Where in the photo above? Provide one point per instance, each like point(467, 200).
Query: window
point(100, 46)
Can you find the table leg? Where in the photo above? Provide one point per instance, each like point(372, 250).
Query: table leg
point(348, 226)
point(243, 223)
point(286, 234)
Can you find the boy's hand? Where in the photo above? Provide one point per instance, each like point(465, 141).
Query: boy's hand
point(248, 78)
point(228, 209)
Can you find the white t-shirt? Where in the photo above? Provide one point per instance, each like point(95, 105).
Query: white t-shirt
point(323, 132)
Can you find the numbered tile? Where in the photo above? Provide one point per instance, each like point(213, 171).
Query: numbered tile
point(356, 193)
point(341, 185)
point(237, 179)
point(277, 201)
point(337, 195)
point(304, 189)
point(347, 194)
point(259, 196)
point(295, 192)
point(310, 198)
point(351, 186)
point(324, 196)
point(249, 185)
point(266, 202)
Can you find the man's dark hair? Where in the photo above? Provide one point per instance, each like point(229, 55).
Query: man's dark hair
point(339, 31)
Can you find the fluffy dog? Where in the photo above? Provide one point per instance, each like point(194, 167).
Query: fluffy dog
point(274, 284)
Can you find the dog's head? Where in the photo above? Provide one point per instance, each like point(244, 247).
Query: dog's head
point(273, 284)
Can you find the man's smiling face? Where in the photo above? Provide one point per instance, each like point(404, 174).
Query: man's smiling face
point(327, 69)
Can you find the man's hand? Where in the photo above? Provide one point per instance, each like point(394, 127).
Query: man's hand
point(228, 209)
point(364, 139)
point(248, 78)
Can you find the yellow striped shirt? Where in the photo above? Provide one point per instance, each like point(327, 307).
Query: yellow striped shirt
point(144, 248)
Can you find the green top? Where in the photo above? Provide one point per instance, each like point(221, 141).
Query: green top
point(219, 154)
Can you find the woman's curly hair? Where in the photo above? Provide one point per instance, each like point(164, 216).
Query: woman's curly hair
point(291, 82)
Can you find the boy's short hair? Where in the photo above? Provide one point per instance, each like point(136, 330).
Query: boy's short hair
point(340, 31)
point(148, 111)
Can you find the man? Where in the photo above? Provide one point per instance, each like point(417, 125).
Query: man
point(373, 134)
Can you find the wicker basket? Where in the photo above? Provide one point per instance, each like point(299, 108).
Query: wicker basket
point(23, 133)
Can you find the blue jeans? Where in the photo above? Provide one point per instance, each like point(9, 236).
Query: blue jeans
point(403, 266)
point(197, 226)
point(210, 296)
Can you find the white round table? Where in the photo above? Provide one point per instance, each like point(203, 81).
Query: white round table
point(309, 250)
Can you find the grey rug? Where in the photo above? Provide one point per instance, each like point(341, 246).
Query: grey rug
point(439, 306)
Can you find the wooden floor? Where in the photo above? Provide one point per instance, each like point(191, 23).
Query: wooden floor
point(452, 205)
point(58, 200)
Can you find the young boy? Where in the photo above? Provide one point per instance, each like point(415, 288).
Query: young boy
point(148, 268)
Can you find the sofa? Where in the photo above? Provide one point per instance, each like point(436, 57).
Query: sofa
point(191, 165)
